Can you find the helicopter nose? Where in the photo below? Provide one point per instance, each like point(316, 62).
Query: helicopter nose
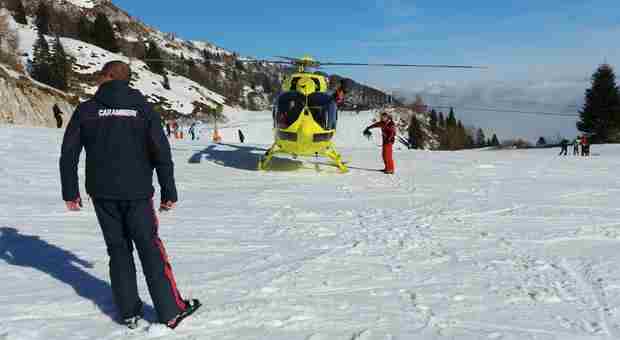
point(305, 131)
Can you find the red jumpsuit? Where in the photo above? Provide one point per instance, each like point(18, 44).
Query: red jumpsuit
point(388, 129)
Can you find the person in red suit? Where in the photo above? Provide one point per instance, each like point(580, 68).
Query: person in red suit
point(388, 129)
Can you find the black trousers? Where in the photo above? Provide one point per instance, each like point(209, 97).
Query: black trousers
point(125, 224)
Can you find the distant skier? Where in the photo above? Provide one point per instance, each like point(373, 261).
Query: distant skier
point(168, 129)
point(388, 130)
point(241, 136)
point(119, 170)
point(585, 146)
point(576, 143)
point(564, 145)
point(192, 131)
point(57, 116)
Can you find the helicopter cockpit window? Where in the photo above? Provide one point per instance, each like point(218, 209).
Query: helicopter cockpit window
point(324, 110)
point(289, 106)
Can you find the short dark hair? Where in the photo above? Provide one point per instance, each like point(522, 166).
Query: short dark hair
point(117, 70)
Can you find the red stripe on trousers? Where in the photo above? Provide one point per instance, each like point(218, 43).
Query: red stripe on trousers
point(167, 267)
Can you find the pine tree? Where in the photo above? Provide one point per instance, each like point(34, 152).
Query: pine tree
point(20, 13)
point(153, 58)
point(494, 141)
point(471, 141)
point(103, 34)
point(43, 18)
point(85, 30)
point(451, 121)
point(416, 135)
point(480, 139)
point(166, 82)
point(61, 66)
point(600, 115)
point(442, 121)
point(433, 121)
point(461, 136)
point(541, 141)
point(41, 70)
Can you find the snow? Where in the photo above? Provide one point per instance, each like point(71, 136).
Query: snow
point(457, 245)
point(90, 59)
point(83, 3)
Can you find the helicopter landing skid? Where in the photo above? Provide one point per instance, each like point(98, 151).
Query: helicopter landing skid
point(337, 159)
point(265, 161)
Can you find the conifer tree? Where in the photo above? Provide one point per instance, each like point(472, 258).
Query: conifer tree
point(416, 135)
point(41, 70)
point(166, 83)
point(153, 58)
point(480, 139)
point(433, 121)
point(103, 34)
point(85, 30)
point(60, 66)
point(442, 121)
point(451, 121)
point(600, 115)
point(461, 136)
point(20, 13)
point(495, 140)
point(43, 18)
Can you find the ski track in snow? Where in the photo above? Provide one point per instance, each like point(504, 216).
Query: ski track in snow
point(456, 245)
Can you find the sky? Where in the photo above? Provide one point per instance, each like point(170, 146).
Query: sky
point(540, 54)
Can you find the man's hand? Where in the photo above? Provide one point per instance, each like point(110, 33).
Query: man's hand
point(167, 206)
point(367, 133)
point(74, 205)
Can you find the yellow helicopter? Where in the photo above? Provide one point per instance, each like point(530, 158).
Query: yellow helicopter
point(305, 113)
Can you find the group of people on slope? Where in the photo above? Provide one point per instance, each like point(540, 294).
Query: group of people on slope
point(580, 143)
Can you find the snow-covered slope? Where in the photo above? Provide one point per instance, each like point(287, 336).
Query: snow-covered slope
point(89, 59)
point(458, 245)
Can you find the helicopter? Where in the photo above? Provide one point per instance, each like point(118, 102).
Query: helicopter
point(305, 113)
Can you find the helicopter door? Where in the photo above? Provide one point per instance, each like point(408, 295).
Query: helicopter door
point(324, 110)
point(289, 106)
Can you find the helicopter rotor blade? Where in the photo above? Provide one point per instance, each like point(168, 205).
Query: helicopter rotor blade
point(288, 58)
point(256, 61)
point(405, 65)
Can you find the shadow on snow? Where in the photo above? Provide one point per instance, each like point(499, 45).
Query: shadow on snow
point(242, 157)
point(32, 252)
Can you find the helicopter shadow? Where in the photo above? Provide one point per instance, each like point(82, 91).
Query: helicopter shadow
point(30, 251)
point(242, 157)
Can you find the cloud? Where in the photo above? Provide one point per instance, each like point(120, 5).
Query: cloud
point(524, 109)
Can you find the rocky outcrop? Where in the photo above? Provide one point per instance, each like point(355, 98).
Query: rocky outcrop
point(24, 102)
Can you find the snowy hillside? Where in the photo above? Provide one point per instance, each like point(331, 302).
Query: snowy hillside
point(90, 59)
point(466, 245)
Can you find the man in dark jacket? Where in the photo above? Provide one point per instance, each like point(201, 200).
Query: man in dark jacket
point(388, 129)
point(124, 142)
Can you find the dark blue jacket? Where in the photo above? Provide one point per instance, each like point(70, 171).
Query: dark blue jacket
point(124, 142)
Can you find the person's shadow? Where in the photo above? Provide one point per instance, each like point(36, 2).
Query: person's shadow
point(242, 157)
point(31, 251)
